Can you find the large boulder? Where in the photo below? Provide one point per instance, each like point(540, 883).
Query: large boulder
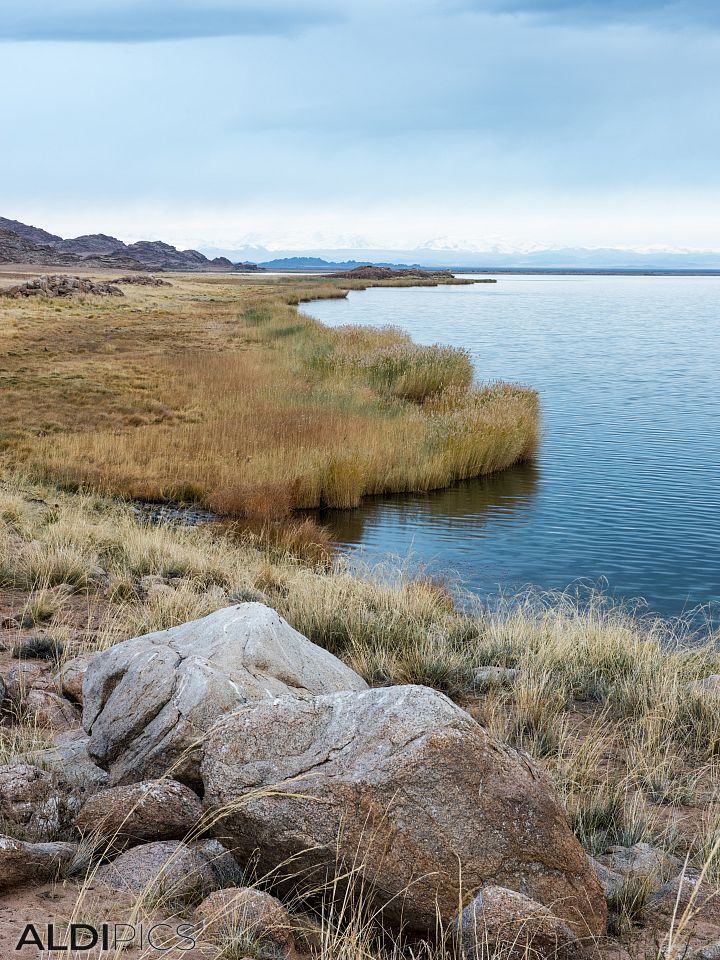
point(148, 702)
point(406, 790)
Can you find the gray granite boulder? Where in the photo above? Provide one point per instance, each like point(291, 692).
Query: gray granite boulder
point(406, 789)
point(149, 702)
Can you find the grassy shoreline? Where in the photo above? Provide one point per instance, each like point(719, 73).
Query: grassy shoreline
point(221, 392)
point(613, 708)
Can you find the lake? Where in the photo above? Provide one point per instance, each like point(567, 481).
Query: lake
point(625, 490)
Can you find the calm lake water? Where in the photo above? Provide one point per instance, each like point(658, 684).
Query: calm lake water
point(626, 486)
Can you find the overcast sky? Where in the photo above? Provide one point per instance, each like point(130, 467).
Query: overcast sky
point(382, 123)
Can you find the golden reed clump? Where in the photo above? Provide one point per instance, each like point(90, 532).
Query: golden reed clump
point(260, 411)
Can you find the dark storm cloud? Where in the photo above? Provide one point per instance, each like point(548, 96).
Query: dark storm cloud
point(146, 21)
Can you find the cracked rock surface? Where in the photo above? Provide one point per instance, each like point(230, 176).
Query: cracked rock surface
point(405, 788)
point(150, 701)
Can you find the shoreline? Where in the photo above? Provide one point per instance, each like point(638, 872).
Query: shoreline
point(620, 725)
point(375, 412)
point(609, 716)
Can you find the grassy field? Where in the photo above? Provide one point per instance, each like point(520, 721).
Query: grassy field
point(218, 391)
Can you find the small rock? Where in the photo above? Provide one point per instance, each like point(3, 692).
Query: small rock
point(249, 596)
point(152, 583)
point(709, 686)
point(640, 860)
point(711, 952)
point(70, 678)
point(500, 922)
point(24, 677)
point(34, 801)
point(494, 676)
point(50, 710)
point(610, 881)
point(153, 810)
point(64, 590)
point(685, 894)
point(248, 915)
point(22, 862)
point(172, 869)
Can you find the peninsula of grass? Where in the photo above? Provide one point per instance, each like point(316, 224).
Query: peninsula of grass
point(220, 392)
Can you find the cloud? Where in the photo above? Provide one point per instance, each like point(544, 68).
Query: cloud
point(669, 14)
point(146, 21)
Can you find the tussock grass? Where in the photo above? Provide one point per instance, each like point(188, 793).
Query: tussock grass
point(627, 905)
point(607, 702)
point(19, 739)
point(222, 393)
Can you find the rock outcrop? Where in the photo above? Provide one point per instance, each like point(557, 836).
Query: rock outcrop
point(371, 272)
point(21, 243)
point(142, 279)
point(405, 789)
point(149, 702)
point(18, 249)
point(59, 285)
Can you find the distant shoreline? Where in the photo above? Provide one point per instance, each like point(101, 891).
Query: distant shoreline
point(523, 271)
point(587, 272)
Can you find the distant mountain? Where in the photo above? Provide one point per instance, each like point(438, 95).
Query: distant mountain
point(446, 253)
point(21, 243)
point(91, 244)
point(317, 263)
point(497, 257)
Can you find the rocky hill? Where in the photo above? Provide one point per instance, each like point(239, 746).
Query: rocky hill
point(388, 273)
point(93, 243)
point(34, 234)
point(22, 243)
point(17, 249)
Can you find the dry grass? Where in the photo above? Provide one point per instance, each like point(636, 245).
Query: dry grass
point(218, 391)
point(605, 701)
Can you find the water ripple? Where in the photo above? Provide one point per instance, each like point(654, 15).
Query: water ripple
point(626, 485)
